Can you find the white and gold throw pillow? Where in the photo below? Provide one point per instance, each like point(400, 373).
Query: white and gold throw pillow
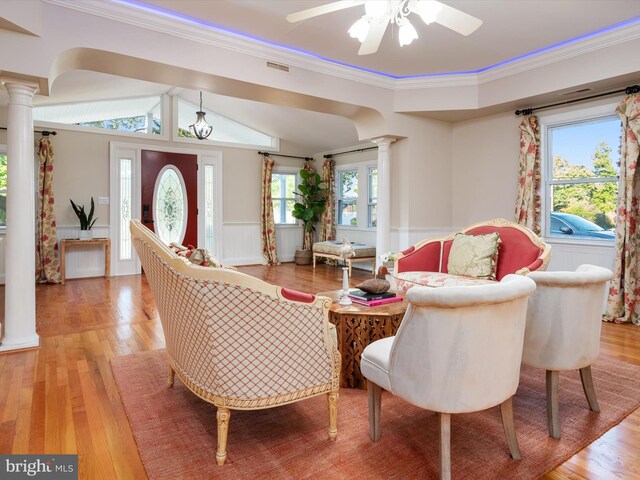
point(474, 255)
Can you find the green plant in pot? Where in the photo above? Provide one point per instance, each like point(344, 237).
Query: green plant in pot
point(312, 203)
point(86, 221)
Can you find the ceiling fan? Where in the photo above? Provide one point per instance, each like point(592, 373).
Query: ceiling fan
point(370, 28)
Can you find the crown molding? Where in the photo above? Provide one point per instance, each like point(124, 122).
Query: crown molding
point(532, 62)
point(191, 30)
point(147, 18)
point(615, 37)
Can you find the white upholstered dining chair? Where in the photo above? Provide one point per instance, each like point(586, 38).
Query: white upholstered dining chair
point(564, 320)
point(458, 349)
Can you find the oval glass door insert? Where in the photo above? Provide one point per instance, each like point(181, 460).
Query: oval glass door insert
point(170, 205)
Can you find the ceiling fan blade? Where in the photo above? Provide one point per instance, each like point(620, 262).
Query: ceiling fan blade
point(374, 37)
point(322, 9)
point(458, 21)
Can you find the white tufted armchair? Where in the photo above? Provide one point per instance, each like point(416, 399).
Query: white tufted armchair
point(238, 342)
point(563, 330)
point(458, 349)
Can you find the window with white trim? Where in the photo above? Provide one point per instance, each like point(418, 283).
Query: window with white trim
point(356, 188)
point(283, 186)
point(347, 196)
point(580, 174)
point(372, 217)
point(134, 115)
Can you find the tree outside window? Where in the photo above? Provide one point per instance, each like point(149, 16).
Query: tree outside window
point(372, 217)
point(283, 186)
point(582, 178)
point(348, 198)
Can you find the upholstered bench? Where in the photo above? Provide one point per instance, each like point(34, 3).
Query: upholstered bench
point(331, 249)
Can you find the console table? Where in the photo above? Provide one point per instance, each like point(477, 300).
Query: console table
point(72, 243)
point(358, 326)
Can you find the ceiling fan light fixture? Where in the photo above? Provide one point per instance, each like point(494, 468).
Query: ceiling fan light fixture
point(360, 29)
point(201, 129)
point(428, 10)
point(407, 33)
point(376, 8)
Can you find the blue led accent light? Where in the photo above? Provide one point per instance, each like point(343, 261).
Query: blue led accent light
point(287, 48)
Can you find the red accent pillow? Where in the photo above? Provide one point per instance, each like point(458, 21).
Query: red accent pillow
point(297, 296)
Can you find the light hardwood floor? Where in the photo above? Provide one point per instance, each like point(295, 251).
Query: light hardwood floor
point(61, 398)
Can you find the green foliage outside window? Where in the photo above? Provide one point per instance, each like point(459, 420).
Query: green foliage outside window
point(184, 133)
point(129, 124)
point(594, 201)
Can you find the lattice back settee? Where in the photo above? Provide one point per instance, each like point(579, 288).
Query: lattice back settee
point(236, 341)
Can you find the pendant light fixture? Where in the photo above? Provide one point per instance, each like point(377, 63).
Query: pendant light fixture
point(201, 129)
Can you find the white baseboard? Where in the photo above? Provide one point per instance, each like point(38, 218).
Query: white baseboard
point(242, 261)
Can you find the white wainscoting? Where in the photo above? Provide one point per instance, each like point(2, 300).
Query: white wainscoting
point(241, 244)
point(86, 261)
point(403, 238)
point(568, 256)
point(288, 238)
point(368, 237)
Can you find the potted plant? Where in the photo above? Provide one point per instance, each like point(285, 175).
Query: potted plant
point(312, 202)
point(86, 221)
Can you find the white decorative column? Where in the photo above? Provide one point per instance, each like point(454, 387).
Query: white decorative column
point(20, 263)
point(383, 228)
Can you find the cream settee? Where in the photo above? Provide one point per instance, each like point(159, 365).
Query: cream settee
point(426, 263)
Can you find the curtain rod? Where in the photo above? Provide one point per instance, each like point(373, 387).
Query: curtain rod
point(45, 133)
point(331, 155)
point(627, 90)
point(267, 154)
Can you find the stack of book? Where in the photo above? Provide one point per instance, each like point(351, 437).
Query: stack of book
point(373, 299)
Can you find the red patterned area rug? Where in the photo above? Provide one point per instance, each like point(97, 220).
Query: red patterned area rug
point(176, 431)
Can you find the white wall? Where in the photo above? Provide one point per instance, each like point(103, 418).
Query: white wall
point(82, 171)
point(421, 183)
point(485, 172)
point(446, 176)
point(485, 168)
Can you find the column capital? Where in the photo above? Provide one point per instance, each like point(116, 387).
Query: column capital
point(20, 86)
point(384, 140)
point(20, 93)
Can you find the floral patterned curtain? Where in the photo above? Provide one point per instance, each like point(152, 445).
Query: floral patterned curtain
point(623, 304)
point(266, 215)
point(308, 166)
point(528, 203)
point(47, 260)
point(328, 221)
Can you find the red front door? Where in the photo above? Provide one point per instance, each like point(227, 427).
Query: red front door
point(169, 207)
